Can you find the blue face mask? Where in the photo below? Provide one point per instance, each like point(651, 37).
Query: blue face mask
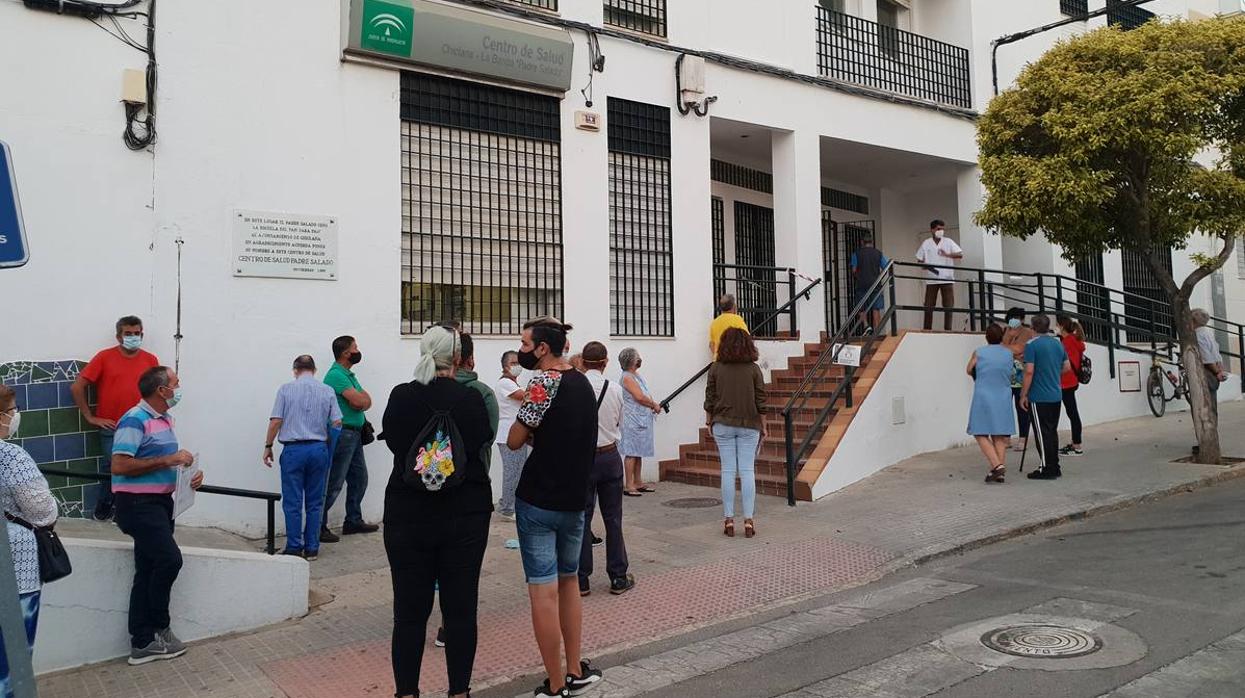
point(177, 397)
point(1013, 323)
point(132, 342)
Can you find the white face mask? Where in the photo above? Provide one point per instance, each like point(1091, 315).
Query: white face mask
point(938, 234)
point(15, 423)
point(515, 371)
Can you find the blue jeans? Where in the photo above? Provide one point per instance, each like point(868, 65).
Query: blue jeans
point(350, 469)
point(549, 542)
point(304, 475)
point(737, 449)
point(30, 614)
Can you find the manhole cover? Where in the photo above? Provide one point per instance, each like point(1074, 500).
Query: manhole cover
point(1042, 641)
point(694, 503)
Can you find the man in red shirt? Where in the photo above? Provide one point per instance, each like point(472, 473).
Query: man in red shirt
point(114, 372)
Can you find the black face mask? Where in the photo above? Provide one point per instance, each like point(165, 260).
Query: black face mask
point(528, 360)
point(355, 357)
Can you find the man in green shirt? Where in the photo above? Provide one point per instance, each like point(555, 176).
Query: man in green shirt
point(349, 467)
point(467, 376)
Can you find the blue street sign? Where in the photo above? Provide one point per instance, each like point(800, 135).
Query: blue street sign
point(13, 249)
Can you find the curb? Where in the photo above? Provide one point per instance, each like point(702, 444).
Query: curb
point(901, 563)
point(1118, 504)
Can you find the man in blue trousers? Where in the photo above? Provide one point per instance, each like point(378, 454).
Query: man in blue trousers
point(307, 421)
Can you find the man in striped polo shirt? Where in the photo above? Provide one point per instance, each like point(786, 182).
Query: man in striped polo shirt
point(145, 458)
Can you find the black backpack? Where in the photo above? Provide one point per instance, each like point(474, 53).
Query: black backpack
point(437, 459)
point(1086, 370)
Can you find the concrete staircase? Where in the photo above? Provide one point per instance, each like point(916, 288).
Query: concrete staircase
point(698, 463)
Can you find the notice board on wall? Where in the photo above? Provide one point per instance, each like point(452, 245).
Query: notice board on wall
point(284, 245)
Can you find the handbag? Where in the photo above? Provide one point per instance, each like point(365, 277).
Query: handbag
point(53, 559)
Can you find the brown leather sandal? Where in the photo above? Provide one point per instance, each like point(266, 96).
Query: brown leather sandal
point(750, 528)
point(996, 474)
point(728, 528)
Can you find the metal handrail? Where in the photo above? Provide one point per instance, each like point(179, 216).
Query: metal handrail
point(271, 497)
point(826, 360)
point(803, 294)
point(982, 306)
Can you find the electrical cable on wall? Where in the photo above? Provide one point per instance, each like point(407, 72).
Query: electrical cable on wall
point(596, 64)
point(140, 118)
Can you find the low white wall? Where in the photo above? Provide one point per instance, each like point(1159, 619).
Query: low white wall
point(927, 373)
point(84, 616)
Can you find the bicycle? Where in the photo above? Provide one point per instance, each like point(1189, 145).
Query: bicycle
point(1156, 392)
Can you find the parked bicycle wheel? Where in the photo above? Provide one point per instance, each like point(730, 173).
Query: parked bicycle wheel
point(1154, 393)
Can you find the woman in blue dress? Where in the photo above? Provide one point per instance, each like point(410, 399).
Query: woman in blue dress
point(638, 421)
point(990, 417)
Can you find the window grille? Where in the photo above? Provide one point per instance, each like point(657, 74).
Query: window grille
point(740, 176)
point(1074, 8)
point(551, 5)
point(644, 16)
point(845, 201)
point(1240, 257)
point(1126, 16)
point(1093, 300)
point(1152, 318)
point(481, 206)
point(717, 215)
point(754, 257)
point(641, 256)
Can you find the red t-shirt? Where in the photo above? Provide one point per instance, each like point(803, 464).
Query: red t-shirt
point(115, 376)
point(1075, 349)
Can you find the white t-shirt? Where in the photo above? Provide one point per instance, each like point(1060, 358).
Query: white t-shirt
point(507, 407)
point(609, 415)
point(928, 254)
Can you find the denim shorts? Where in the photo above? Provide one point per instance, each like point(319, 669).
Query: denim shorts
point(549, 542)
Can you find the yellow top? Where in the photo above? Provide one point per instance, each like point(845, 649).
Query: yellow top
point(720, 324)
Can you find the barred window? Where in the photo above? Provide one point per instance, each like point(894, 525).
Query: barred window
point(481, 206)
point(644, 16)
point(717, 217)
point(1126, 16)
point(1074, 8)
point(1240, 257)
point(641, 258)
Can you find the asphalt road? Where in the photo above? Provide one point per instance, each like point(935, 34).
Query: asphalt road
point(1161, 586)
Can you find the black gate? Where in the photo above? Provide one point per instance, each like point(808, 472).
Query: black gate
point(754, 256)
point(839, 242)
point(1093, 300)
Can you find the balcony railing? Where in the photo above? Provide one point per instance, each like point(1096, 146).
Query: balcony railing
point(866, 53)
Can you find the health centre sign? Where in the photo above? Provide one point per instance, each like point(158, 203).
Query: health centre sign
point(13, 249)
point(461, 40)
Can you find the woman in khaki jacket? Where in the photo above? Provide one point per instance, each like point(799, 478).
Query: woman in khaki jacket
point(735, 412)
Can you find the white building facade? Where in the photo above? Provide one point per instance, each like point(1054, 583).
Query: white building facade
point(467, 178)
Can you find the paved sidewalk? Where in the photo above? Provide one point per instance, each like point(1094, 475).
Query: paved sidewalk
point(690, 576)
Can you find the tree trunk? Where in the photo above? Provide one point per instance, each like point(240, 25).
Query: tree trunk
point(1205, 422)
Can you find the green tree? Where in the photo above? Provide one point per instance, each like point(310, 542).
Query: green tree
point(1098, 148)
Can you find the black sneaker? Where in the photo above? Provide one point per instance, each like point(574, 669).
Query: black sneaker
point(1044, 474)
point(103, 510)
point(588, 677)
point(596, 541)
point(584, 589)
point(1071, 450)
point(155, 650)
point(622, 585)
point(327, 536)
point(440, 641)
point(544, 690)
